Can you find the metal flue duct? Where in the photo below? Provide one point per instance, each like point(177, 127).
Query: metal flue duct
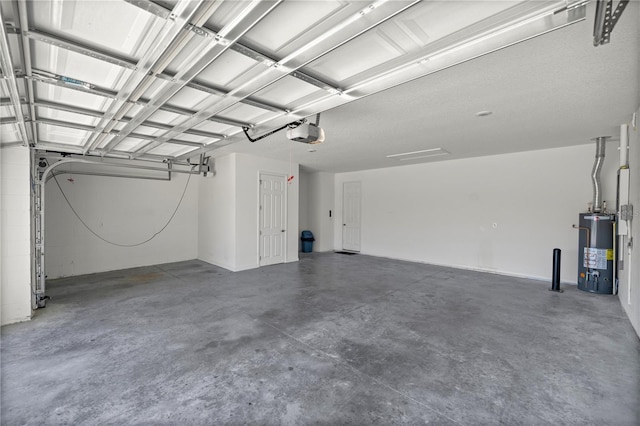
point(595, 174)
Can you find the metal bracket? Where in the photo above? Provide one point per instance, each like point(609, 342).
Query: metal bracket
point(606, 19)
point(41, 301)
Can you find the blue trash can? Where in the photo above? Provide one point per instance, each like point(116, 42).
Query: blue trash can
point(307, 241)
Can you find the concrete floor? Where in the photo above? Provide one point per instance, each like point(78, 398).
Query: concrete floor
point(332, 339)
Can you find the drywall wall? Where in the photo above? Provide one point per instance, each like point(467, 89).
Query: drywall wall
point(229, 210)
point(317, 208)
point(304, 198)
point(15, 231)
point(248, 169)
point(629, 277)
point(216, 218)
point(503, 213)
point(123, 211)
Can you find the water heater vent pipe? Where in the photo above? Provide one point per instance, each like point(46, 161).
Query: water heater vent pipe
point(595, 174)
point(624, 146)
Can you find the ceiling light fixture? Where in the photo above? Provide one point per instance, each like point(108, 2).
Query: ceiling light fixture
point(423, 156)
point(432, 150)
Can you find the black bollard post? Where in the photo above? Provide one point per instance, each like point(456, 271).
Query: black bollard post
point(555, 279)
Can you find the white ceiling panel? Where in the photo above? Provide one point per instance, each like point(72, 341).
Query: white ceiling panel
point(347, 22)
point(149, 131)
point(191, 98)
point(408, 33)
point(215, 127)
point(227, 13)
point(22, 88)
point(6, 111)
point(79, 67)
point(289, 21)
point(194, 138)
point(134, 109)
point(115, 25)
point(187, 54)
point(287, 91)
point(49, 92)
point(155, 88)
point(119, 126)
point(63, 135)
point(243, 112)
point(70, 117)
point(170, 149)
point(167, 117)
point(228, 68)
point(130, 144)
point(15, 44)
point(371, 49)
point(9, 133)
point(429, 21)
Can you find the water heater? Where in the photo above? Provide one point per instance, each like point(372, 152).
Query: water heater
point(595, 253)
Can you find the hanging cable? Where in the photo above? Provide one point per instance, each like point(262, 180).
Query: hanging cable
point(184, 191)
point(290, 177)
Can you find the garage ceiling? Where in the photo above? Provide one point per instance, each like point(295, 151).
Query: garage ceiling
point(169, 80)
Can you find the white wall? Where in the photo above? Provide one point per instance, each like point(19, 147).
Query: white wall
point(314, 210)
point(629, 278)
point(229, 211)
point(15, 231)
point(443, 213)
point(304, 199)
point(125, 211)
point(216, 218)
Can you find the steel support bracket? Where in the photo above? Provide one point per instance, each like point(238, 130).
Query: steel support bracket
point(606, 20)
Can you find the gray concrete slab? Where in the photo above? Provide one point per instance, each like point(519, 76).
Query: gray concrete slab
point(332, 339)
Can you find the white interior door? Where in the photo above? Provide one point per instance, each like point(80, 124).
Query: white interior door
point(351, 194)
point(272, 219)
